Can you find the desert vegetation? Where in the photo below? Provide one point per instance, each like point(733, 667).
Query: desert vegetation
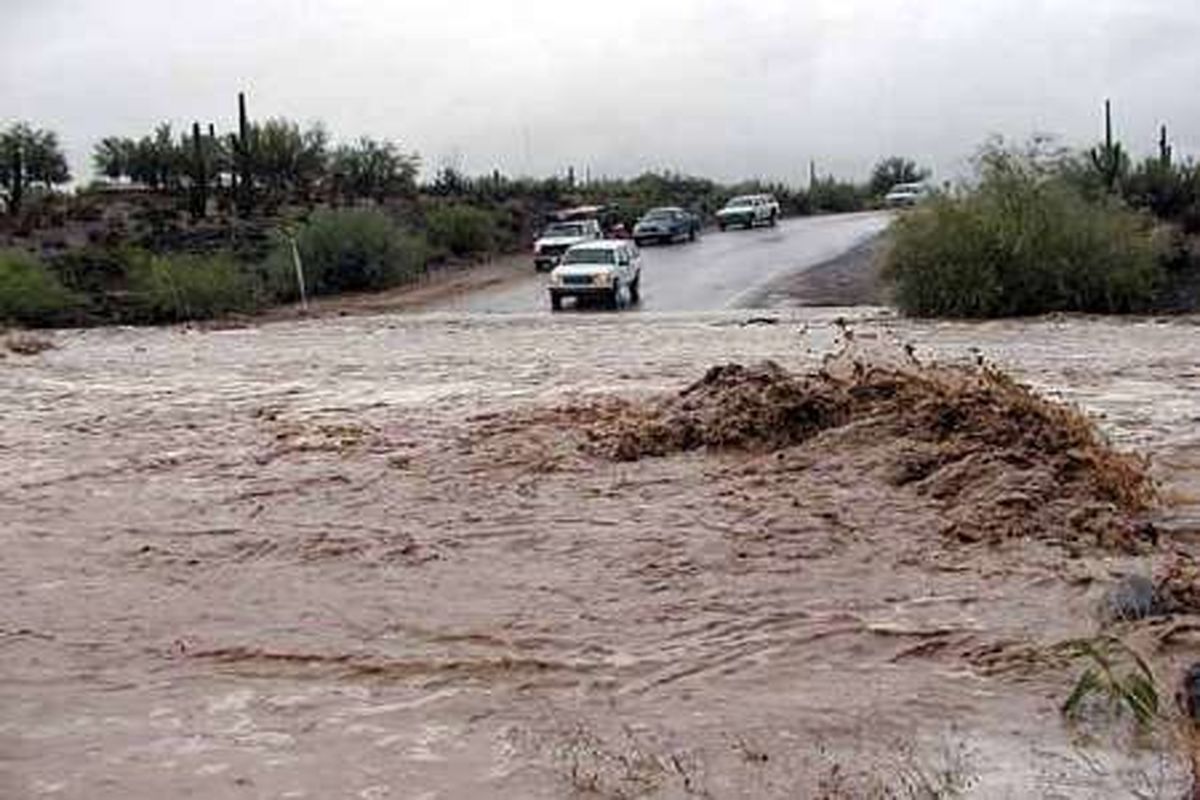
point(198, 222)
point(1043, 229)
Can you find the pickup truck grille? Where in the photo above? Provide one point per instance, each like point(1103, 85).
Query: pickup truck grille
point(577, 280)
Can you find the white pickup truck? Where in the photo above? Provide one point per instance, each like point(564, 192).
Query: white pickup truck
point(609, 271)
point(749, 210)
point(558, 237)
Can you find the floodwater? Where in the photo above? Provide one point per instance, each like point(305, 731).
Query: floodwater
point(328, 559)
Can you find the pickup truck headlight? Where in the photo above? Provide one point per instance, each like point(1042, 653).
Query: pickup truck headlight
point(602, 279)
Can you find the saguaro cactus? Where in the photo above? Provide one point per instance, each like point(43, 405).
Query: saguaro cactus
point(1164, 147)
point(199, 173)
point(242, 159)
point(16, 186)
point(1109, 159)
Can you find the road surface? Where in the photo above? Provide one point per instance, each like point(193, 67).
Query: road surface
point(718, 271)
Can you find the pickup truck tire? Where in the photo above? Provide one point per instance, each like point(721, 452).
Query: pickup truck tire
point(555, 303)
point(691, 234)
point(635, 291)
point(772, 221)
point(613, 301)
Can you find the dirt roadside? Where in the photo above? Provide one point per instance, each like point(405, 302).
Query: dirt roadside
point(851, 279)
point(441, 286)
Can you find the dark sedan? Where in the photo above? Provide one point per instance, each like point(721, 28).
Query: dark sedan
point(666, 224)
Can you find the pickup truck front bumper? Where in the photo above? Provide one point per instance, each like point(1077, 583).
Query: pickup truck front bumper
point(746, 219)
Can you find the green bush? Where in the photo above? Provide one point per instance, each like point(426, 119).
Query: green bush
point(347, 250)
point(462, 229)
point(183, 287)
point(1024, 241)
point(30, 294)
point(838, 197)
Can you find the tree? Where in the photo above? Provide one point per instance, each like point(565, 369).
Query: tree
point(371, 168)
point(449, 182)
point(29, 156)
point(113, 157)
point(287, 159)
point(894, 170)
point(156, 161)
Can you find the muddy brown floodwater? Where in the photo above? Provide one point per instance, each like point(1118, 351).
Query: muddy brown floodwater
point(376, 557)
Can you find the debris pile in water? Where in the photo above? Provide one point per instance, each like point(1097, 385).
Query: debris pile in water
point(1178, 586)
point(1002, 461)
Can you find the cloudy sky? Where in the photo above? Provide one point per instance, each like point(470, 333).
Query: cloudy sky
point(725, 88)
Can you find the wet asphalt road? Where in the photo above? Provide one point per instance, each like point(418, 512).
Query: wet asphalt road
point(718, 271)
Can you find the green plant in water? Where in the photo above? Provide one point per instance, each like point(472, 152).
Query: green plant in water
point(1116, 676)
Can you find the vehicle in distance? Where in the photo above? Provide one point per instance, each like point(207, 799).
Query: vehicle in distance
point(608, 270)
point(559, 236)
point(906, 194)
point(665, 225)
point(749, 210)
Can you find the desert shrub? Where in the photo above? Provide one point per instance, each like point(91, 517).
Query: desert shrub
point(30, 294)
point(835, 196)
point(1167, 190)
point(462, 229)
point(1023, 241)
point(347, 250)
point(185, 287)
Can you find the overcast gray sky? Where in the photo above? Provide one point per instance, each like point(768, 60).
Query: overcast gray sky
point(725, 88)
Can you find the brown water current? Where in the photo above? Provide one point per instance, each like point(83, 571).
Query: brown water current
point(376, 558)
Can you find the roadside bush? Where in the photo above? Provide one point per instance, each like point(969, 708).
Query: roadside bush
point(30, 294)
point(347, 250)
point(1166, 190)
point(184, 287)
point(1023, 241)
point(462, 229)
point(838, 197)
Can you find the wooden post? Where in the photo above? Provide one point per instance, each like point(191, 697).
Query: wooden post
point(299, 271)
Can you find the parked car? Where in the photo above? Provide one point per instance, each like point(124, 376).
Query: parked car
point(906, 194)
point(608, 270)
point(748, 211)
point(559, 236)
point(665, 225)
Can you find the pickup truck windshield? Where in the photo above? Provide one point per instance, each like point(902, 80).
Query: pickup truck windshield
point(740, 202)
point(660, 213)
point(563, 230)
point(589, 255)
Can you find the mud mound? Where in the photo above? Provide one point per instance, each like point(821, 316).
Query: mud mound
point(1003, 461)
point(733, 406)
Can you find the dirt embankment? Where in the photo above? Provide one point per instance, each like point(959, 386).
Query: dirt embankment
point(440, 287)
point(851, 279)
